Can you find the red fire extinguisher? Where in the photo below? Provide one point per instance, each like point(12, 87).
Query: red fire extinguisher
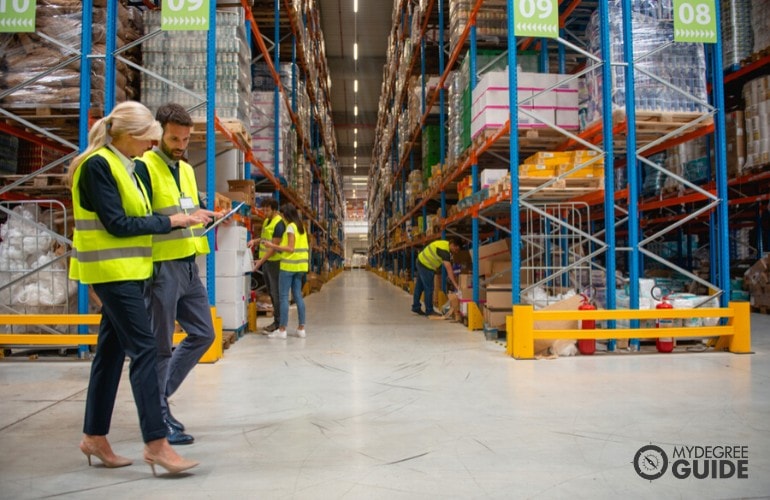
point(587, 346)
point(664, 344)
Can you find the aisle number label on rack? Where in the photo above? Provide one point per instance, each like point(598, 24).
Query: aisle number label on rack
point(695, 21)
point(538, 18)
point(17, 16)
point(184, 15)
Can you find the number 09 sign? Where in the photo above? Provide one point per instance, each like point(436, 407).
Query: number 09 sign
point(538, 18)
point(189, 15)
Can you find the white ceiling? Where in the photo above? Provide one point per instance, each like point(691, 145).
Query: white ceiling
point(341, 28)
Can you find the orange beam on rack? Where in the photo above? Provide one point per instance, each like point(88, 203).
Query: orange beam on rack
point(744, 70)
point(27, 136)
point(677, 200)
point(699, 132)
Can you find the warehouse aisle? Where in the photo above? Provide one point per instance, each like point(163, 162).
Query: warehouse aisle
point(379, 403)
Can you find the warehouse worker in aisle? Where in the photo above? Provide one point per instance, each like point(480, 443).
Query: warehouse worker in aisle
point(269, 260)
point(428, 263)
point(295, 263)
point(112, 251)
point(176, 292)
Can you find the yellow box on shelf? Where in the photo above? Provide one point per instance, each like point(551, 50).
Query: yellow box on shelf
point(550, 158)
point(540, 170)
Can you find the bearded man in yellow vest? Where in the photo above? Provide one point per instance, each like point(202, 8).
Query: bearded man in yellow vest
point(269, 260)
point(429, 261)
point(176, 292)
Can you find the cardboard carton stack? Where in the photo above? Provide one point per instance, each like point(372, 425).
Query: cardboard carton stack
point(757, 281)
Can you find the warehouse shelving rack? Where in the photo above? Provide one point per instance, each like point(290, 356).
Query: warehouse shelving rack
point(215, 128)
point(625, 129)
point(309, 139)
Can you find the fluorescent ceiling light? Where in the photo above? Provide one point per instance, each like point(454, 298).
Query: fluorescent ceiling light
point(355, 85)
point(355, 144)
point(355, 131)
point(355, 51)
point(355, 6)
point(355, 110)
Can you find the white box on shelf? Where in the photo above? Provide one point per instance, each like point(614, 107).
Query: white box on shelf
point(234, 314)
point(232, 288)
point(231, 237)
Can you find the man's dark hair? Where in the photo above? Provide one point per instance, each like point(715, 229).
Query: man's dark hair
point(457, 242)
point(269, 203)
point(173, 113)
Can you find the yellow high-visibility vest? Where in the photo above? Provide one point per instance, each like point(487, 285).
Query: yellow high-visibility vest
point(299, 260)
point(182, 241)
point(98, 256)
point(429, 256)
point(267, 234)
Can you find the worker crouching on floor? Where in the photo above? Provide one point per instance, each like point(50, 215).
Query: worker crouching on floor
point(429, 262)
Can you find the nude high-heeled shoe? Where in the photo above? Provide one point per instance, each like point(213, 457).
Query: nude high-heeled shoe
point(110, 463)
point(174, 468)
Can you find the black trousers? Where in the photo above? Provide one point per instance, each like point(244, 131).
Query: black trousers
point(124, 331)
point(271, 270)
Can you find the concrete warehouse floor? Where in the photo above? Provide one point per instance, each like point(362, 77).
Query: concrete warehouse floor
point(379, 403)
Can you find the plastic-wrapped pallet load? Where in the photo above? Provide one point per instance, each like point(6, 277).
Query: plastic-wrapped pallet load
point(682, 65)
point(181, 57)
point(29, 257)
point(756, 95)
point(737, 37)
point(24, 56)
point(760, 24)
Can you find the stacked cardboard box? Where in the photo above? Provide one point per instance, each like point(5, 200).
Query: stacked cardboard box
point(757, 281)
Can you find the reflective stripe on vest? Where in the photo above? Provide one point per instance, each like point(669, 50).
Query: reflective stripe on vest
point(98, 256)
point(297, 261)
point(267, 234)
point(429, 256)
point(180, 242)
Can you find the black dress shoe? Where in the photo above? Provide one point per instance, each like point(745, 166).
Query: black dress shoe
point(419, 312)
point(174, 422)
point(175, 436)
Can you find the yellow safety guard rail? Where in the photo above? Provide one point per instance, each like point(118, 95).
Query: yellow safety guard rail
point(213, 354)
point(735, 336)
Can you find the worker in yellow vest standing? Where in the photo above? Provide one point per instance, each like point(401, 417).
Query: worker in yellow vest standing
point(176, 292)
point(112, 251)
point(429, 261)
point(295, 262)
point(273, 228)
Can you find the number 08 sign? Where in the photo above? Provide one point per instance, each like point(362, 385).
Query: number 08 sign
point(695, 21)
point(538, 18)
point(189, 15)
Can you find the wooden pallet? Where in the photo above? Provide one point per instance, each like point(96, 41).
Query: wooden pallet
point(41, 185)
point(530, 140)
point(228, 338)
point(562, 189)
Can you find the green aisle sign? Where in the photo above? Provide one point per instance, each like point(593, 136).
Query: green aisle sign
point(188, 15)
point(695, 21)
point(17, 16)
point(538, 18)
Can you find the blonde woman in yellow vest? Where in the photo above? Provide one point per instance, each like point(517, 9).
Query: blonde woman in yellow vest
point(176, 292)
point(112, 252)
point(269, 260)
point(295, 262)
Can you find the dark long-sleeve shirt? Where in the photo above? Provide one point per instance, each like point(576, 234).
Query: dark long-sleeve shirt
point(99, 193)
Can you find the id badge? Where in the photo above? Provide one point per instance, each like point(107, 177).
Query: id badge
point(186, 203)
